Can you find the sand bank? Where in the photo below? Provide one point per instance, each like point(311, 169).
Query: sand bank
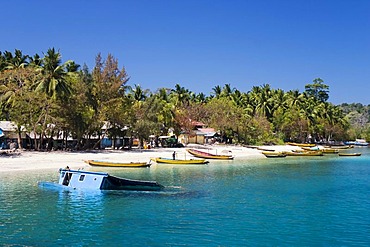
point(31, 160)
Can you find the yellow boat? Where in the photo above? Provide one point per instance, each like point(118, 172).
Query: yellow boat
point(323, 150)
point(330, 151)
point(274, 154)
point(116, 164)
point(301, 144)
point(265, 149)
point(304, 153)
point(180, 162)
point(349, 154)
point(340, 147)
point(206, 155)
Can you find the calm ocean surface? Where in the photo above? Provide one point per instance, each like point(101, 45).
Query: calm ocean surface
point(307, 201)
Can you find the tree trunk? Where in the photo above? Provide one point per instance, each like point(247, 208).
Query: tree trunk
point(35, 143)
point(65, 140)
point(19, 137)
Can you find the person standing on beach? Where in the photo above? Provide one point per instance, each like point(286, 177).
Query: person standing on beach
point(174, 155)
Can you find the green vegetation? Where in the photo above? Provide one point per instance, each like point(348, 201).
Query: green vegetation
point(52, 98)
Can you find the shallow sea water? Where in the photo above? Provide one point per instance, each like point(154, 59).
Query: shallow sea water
point(307, 201)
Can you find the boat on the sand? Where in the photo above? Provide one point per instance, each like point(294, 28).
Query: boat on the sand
point(301, 144)
point(274, 154)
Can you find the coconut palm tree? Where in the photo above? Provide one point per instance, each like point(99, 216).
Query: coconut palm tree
point(181, 95)
point(35, 61)
point(263, 100)
point(17, 61)
point(53, 76)
point(137, 93)
point(217, 91)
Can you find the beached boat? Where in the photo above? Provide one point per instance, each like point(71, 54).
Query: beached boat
point(207, 155)
point(265, 149)
point(116, 164)
point(324, 150)
point(301, 144)
point(304, 153)
point(315, 148)
point(79, 179)
point(349, 154)
point(340, 147)
point(180, 162)
point(329, 151)
point(273, 154)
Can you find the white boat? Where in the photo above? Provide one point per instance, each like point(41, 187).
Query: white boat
point(79, 179)
point(357, 142)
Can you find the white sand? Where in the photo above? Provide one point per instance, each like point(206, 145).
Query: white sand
point(30, 160)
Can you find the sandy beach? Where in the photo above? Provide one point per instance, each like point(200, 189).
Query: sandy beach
point(32, 160)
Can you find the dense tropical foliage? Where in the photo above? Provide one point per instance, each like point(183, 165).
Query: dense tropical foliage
point(48, 98)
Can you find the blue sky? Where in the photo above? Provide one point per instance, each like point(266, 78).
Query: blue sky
point(203, 43)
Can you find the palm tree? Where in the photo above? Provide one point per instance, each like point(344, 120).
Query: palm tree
point(36, 61)
point(217, 91)
point(263, 98)
point(17, 61)
point(227, 91)
point(294, 98)
point(71, 66)
point(181, 95)
point(201, 98)
point(53, 76)
point(137, 93)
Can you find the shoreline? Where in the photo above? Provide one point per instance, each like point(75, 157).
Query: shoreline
point(34, 160)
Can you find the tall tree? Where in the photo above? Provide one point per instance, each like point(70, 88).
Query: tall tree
point(108, 90)
point(318, 90)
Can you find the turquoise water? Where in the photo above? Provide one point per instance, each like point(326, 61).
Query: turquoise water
point(309, 201)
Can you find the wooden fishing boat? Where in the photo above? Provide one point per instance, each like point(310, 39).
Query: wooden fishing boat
point(180, 162)
point(315, 148)
point(116, 164)
point(206, 155)
point(330, 151)
point(349, 154)
point(323, 150)
point(304, 153)
point(79, 179)
point(265, 149)
point(301, 144)
point(340, 147)
point(274, 154)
